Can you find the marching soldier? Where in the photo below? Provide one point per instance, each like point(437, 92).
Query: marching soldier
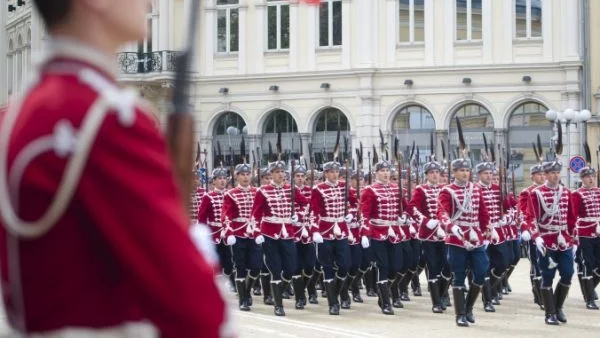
point(361, 261)
point(586, 204)
point(272, 210)
point(210, 214)
point(538, 178)
point(423, 209)
point(552, 222)
point(380, 209)
point(116, 245)
point(327, 204)
point(497, 249)
point(196, 197)
point(463, 214)
point(304, 243)
point(240, 234)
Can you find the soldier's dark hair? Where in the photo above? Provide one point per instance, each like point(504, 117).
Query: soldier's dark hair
point(53, 11)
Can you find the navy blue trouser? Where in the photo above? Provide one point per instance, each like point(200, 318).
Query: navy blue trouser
point(533, 259)
point(590, 256)
point(280, 258)
point(247, 257)
point(415, 254)
point(389, 258)
point(516, 252)
point(225, 258)
point(434, 254)
point(306, 258)
point(499, 258)
point(330, 251)
point(565, 266)
point(356, 257)
point(460, 258)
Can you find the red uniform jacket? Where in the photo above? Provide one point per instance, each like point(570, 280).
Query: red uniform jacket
point(510, 207)
point(235, 215)
point(380, 211)
point(305, 218)
point(121, 252)
point(328, 205)
point(586, 205)
point(423, 208)
point(356, 224)
point(210, 214)
point(553, 219)
point(465, 208)
point(195, 200)
point(522, 206)
point(272, 208)
point(491, 198)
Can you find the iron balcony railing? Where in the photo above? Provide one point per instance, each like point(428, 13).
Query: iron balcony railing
point(144, 63)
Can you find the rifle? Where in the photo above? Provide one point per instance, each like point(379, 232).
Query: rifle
point(180, 124)
point(312, 165)
point(231, 167)
point(501, 175)
point(359, 157)
point(399, 159)
point(418, 167)
point(259, 166)
point(598, 167)
point(206, 169)
point(369, 157)
point(409, 170)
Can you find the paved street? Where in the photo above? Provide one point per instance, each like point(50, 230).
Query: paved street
point(516, 317)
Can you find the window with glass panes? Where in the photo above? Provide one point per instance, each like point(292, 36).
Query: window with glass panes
point(281, 121)
point(228, 142)
point(330, 23)
point(528, 19)
point(468, 20)
point(414, 123)
point(526, 122)
point(411, 21)
point(475, 120)
point(278, 25)
point(329, 121)
point(227, 26)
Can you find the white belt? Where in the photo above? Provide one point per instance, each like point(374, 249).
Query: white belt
point(332, 219)
point(215, 224)
point(279, 220)
point(496, 225)
point(383, 223)
point(466, 224)
point(553, 227)
point(240, 220)
point(589, 219)
point(129, 330)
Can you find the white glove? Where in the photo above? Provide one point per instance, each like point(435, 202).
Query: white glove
point(402, 219)
point(485, 244)
point(230, 240)
point(364, 242)
point(304, 233)
point(317, 238)
point(495, 236)
point(260, 239)
point(503, 221)
point(456, 231)
point(349, 218)
point(295, 219)
point(575, 249)
point(539, 243)
point(412, 230)
point(432, 223)
point(525, 236)
point(441, 234)
point(204, 243)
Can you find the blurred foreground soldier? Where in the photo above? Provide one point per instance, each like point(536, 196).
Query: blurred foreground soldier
point(94, 239)
point(463, 214)
point(586, 204)
point(553, 224)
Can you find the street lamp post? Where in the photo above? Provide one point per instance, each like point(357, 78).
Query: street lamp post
point(567, 117)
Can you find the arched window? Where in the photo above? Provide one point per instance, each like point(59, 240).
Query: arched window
point(227, 135)
point(329, 121)
point(526, 121)
point(413, 123)
point(280, 120)
point(476, 120)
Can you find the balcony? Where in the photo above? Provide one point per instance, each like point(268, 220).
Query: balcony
point(153, 63)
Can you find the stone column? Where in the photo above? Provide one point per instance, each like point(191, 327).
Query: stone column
point(305, 138)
